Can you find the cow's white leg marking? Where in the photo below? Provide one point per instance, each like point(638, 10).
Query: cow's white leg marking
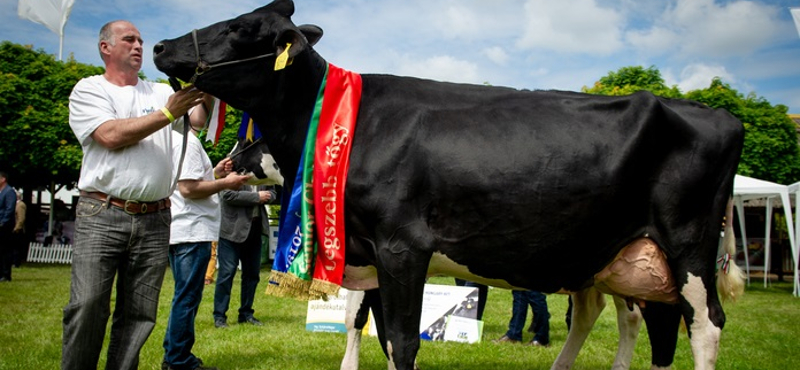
point(660, 368)
point(390, 352)
point(586, 308)
point(351, 353)
point(704, 335)
point(628, 323)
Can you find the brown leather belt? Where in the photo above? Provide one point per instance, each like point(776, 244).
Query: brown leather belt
point(132, 207)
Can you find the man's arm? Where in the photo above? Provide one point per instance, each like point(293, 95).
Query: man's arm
point(196, 189)
point(118, 133)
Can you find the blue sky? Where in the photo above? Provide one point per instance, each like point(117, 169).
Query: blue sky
point(533, 44)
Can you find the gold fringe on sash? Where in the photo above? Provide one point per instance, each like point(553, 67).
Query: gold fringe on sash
point(286, 285)
point(282, 284)
point(323, 288)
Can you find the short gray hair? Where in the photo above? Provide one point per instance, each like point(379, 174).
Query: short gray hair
point(107, 35)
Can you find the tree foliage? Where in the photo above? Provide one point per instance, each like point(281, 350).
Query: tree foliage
point(771, 149)
point(770, 144)
point(227, 138)
point(628, 80)
point(37, 144)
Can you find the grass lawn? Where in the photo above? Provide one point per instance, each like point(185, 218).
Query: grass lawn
point(761, 333)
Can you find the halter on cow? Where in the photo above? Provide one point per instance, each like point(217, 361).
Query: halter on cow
point(537, 190)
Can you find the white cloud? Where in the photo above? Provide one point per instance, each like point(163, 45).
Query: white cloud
point(579, 26)
point(441, 68)
point(654, 41)
point(706, 28)
point(496, 54)
point(698, 76)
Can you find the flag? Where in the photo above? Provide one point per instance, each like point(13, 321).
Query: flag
point(248, 128)
point(52, 14)
point(796, 16)
point(216, 122)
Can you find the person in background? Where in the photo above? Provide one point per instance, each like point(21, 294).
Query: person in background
point(519, 312)
point(212, 264)
point(20, 238)
point(244, 219)
point(8, 200)
point(124, 125)
point(195, 224)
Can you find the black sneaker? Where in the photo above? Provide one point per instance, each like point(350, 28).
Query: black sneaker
point(220, 323)
point(165, 366)
point(250, 320)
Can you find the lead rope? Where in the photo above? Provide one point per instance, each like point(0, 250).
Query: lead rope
point(177, 86)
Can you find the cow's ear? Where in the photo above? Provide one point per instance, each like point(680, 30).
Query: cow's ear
point(311, 32)
point(282, 7)
point(307, 36)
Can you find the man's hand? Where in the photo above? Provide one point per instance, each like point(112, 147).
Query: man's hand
point(234, 181)
point(223, 168)
point(184, 99)
point(264, 196)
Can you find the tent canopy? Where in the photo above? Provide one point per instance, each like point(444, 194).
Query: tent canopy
point(748, 188)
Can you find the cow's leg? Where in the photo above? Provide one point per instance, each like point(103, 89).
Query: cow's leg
point(704, 317)
point(401, 277)
point(587, 305)
point(355, 319)
point(662, 326)
point(628, 322)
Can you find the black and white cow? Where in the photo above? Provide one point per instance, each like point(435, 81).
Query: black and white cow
point(538, 190)
point(254, 158)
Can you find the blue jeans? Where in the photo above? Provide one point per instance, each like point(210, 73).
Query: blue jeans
point(519, 313)
point(109, 243)
point(188, 262)
point(228, 256)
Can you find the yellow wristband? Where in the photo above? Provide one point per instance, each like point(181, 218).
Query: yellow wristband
point(169, 115)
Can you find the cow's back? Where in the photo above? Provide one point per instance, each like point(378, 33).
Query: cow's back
point(538, 188)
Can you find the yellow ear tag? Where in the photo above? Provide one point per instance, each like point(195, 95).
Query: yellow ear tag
point(280, 61)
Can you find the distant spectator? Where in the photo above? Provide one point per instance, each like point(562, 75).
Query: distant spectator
point(8, 201)
point(20, 237)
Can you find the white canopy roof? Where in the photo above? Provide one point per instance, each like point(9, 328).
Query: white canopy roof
point(747, 188)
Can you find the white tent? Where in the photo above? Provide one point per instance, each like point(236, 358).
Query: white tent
point(748, 188)
point(794, 189)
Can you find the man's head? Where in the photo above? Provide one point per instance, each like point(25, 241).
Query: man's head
point(3, 179)
point(120, 46)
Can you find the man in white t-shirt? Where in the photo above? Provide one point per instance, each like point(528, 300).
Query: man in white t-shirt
point(195, 224)
point(122, 217)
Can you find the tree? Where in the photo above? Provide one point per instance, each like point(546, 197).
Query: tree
point(770, 143)
point(628, 80)
point(38, 147)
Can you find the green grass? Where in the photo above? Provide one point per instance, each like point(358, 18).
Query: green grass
point(761, 333)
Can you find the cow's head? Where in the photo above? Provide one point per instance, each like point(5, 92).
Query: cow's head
point(253, 158)
point(235, 60)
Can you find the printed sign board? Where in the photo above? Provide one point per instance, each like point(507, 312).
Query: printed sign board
point(327, 316)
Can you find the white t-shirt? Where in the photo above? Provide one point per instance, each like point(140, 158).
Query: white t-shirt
point(137, 172)
point(193, 220)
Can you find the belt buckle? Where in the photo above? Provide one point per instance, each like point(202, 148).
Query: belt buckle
point(142, 207)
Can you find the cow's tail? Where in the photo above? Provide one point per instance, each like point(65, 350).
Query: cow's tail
point(730, 278)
